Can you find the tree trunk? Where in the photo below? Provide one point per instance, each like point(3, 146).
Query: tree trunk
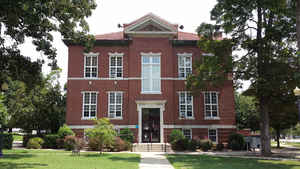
point(278, 138)
point(298, 24)
point(261, 68)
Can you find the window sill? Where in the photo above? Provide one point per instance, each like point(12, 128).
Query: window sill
point(150, 92)
point(116, 118)
point(211, 118)
point(187, 118)
point(88, 118)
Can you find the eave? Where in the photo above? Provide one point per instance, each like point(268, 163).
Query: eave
point(101, 43)
point(184, 42)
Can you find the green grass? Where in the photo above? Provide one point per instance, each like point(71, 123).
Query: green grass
point(213, 162)
point(48, 159)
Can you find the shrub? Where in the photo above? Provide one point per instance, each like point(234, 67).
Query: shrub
point(192, 145)
point(35, 143)
point(50, 141)
point(26, 138)
point(128, 146)
point(127, 135)
point(220, 147)
point(60, 143)
point(180, 145)
point(7, 140)
point(72, 142)
point(205, 144)
point(119, 144)
point(65, 131)
point(236, 141)
point(176, 135)
point(93, 144)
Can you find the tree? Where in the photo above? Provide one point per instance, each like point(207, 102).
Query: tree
point(3, 111)
point(246, 112)
point(265, 29)
point(103, 133)
point(37, 19)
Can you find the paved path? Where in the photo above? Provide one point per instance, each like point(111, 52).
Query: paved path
point(151, 160)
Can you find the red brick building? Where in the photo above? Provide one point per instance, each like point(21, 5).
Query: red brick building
point(137, 79)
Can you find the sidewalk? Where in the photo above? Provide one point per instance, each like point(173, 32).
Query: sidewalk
point(152, 160)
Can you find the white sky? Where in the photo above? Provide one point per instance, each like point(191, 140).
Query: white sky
point(109, 13)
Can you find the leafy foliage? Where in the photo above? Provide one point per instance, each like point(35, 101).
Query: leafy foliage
point(72, 142)
point(7, 140)
point(236, 141)
point(103, 133)
point(35, 143)
point(50, 141)
point(127, 135)
point(176, 135)
point(205, 144)
point(64, 131)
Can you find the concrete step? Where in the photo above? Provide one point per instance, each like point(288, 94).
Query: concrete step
point(154, 147)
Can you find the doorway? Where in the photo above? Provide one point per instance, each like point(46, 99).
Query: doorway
point(150, 125)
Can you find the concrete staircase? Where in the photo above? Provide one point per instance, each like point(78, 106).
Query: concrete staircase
point(152, 147)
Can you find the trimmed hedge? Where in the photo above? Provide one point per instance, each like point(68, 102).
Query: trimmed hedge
point(35, 143)
point(26, 139)
point(51, 141)
point(236, 141)
point(7, 140)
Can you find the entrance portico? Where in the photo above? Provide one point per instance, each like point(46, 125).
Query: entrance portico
point(150, 104)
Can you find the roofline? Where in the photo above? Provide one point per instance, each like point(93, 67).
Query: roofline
point(101, 42)
point(184, 42)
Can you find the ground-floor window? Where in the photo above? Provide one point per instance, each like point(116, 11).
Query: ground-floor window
point(187, 133)
point(213, 135)
point(115, 100)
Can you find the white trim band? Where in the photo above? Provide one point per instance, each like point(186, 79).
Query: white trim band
point(213, 126)
point(92, 126)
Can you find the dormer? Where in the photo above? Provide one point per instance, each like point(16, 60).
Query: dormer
point(150, 25)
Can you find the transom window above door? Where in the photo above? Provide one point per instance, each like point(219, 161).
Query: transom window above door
point(151, 73)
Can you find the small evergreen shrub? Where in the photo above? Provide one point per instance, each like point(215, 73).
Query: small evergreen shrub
point(35, 143)
point(7, 140)
point(205, 144)
point(127, 135)
point(180, 145)
point(192, 145)
point(176, 135)
point(26, 138)
point(220, 147)
point(50, 141)
point(236, 141)
point(72, 142)
point(65, 131)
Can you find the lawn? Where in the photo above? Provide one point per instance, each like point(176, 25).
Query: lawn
point(51, 159)
point(213, 162)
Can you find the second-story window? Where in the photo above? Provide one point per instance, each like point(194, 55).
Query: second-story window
point(115, 65)
point(211, 107)
point(185, 105)
point(115, 100)
point(89, 105)
point(184, 64)
point(151, 73)
point(91, 65)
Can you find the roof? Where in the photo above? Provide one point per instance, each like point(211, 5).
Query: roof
point(119, 36)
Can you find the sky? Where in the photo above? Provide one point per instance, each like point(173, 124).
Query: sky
point(110, 13)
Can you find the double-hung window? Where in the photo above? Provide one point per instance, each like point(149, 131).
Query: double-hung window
point(91, 65)
point(184, 64)
point(185, 105)
point(115, 100)
point(151, 73)
point(89, 105)
point(187, 133)
point(211, 107)
point(115, 65)
point(213, 135)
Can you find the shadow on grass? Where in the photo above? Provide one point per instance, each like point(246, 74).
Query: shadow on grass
point(114, 157)
point(12, 165)
point(204, 162)
point(16, 156)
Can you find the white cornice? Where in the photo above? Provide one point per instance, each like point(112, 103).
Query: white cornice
point(115, 54)
point(91, 54)
point(150, 54)
point(184, 54)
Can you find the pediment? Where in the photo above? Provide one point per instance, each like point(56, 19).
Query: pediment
point(150, 24)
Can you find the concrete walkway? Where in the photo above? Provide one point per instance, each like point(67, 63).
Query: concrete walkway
point(152, 160)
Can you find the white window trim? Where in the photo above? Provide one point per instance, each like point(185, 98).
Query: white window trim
point(192, 101)
point(216, 142)
point(150, 54)
point(116, 54)
point(91, 54)
point(218, 114)
point(115, 118)
point(191, 133)
point(184, 55)
point(82, 113)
